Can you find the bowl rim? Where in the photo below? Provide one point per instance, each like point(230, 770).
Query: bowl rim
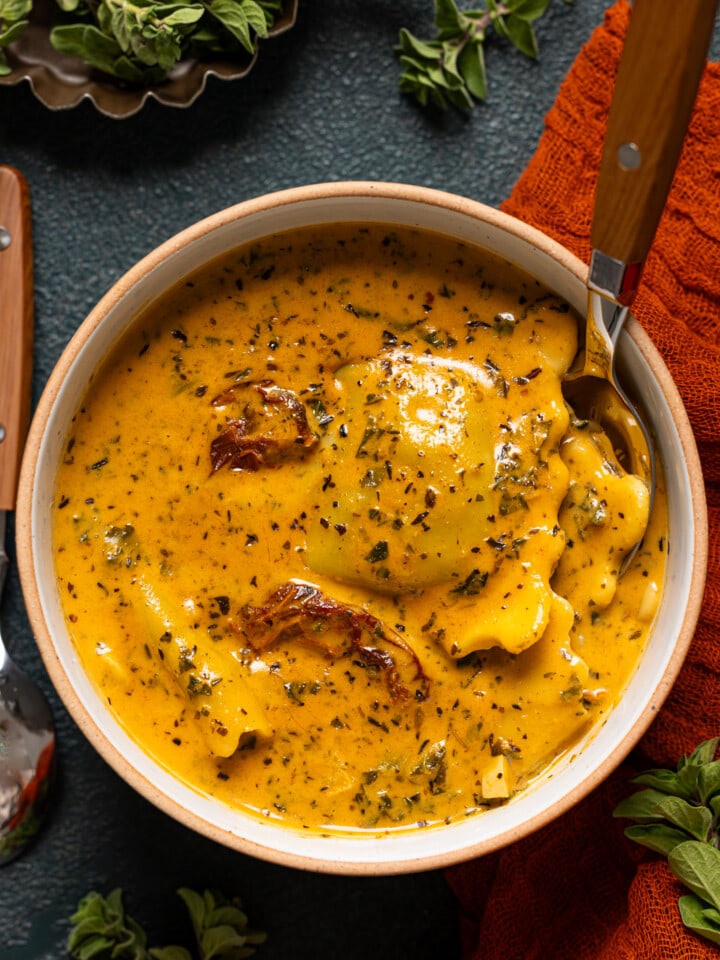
point(26, 540)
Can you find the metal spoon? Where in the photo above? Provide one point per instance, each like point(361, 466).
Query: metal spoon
point(660, 69)
point(27, 735)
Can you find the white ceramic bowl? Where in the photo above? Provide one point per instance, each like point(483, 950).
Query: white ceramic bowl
point(570, 778)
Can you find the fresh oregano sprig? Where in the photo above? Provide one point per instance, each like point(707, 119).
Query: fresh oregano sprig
point(13, 20)
point(140, 41)
point(103, 931)
point(450, 69)
point(220, 925)
point(678, 815)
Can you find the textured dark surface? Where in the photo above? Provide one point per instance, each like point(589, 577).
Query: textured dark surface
point(322, 104)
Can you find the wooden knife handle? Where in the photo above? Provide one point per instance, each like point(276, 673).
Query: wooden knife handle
point(660, 69)
point(16, 327)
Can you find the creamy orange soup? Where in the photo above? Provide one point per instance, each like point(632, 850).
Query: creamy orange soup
point(331, 543)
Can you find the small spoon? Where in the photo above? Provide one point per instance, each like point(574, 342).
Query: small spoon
point(660, 69)
point(27, 733)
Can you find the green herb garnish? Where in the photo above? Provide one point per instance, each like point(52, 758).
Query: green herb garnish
point(13, 20)
point(141, 41)
point(103, 931)
point(677, 815)
point(450, 69)
point(379, 552)
point(472, 584)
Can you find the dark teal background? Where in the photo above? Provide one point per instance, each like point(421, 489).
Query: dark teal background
point(321, 104)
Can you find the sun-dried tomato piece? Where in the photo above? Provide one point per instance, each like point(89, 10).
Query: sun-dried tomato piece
point(273, 426)
point(299, 611)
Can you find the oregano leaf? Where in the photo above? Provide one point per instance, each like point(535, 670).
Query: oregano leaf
point(170, 953)
point(228, 915)
point(472, 67)
point(13, 21)
point(708, 781)
point(695, 918)
point(12, 32)
point(530, 9)
point(256, 17)
point(196, 908)
point(216, 941)
point(705, 752)
point(522, 36)
point(424, 50)
point(641, 805)
point(712, 915)
point(688, 780)
point(234, 19)
point(697, 865)
point(659, 837)
point(667, 781)
point(695, 820)
point(448, 18)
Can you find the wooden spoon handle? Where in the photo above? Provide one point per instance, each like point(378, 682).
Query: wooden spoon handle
point(660, 69)
point(16, 327)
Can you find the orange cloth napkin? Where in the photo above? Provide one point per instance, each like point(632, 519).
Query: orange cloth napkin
point(578, 888)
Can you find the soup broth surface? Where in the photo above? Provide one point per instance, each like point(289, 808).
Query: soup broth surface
point(331, 543)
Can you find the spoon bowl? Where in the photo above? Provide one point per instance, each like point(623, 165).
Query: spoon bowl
point(596, 395)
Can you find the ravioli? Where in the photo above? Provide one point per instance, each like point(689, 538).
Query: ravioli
point(412, 445)
point(416, 442)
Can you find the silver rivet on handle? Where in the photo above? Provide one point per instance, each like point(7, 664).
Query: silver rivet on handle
point(629, 156)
